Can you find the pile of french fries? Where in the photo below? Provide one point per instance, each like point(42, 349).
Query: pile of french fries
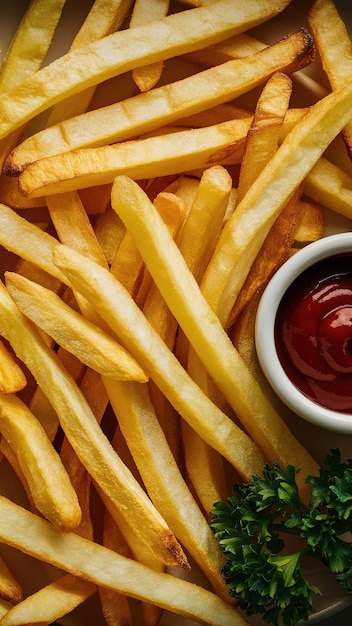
point(139, 224)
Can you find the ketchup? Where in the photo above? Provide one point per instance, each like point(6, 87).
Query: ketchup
point(313, 332)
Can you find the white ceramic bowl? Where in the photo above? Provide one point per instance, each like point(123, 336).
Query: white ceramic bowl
point(265, 339)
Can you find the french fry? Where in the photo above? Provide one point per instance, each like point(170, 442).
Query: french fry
point(90, 344)
point(264, 133)
point(310, 223)
point(204, 465)
point(334, 46)
point(131, 326)
point(239, 241)
point(115, 606)
point(51, 602)
point(202, 327)
point(84, 433)
point(162, 478)
point(330, 186)
point(165, 104)
point(274, 251)
point(127, 49)
point(12, 377)
point(109, 231)
point(21, 237)
point(144, 11)
point(103, 567)
point(52, 491)
point(170, 153)
point(26, 53)
point(10, 589)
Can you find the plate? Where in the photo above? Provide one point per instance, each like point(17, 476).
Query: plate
point(309, 84)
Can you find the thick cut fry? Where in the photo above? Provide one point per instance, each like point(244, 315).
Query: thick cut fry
point(165, 104)
point(244, 232)
point(122, 314)
point(162, 478)
point(127, 49)
point(50, 603)
point(144, 11)
point(86, 437)
point(10, 589)
point(169, 153)
point(51, 491)
point(264, 133)
point(330, 186)
point(335, 49)
point(104, 567)
point(90, 344)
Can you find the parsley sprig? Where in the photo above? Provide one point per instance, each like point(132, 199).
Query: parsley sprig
point(252, 526)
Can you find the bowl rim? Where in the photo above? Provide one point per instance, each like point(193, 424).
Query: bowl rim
point(328, 246)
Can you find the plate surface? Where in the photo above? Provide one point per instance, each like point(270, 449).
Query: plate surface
point(308, 85)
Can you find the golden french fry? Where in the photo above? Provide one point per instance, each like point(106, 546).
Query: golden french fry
point(144, 11)
point(203, 328)
point(127, 49)
point(84, 433)
point(169, 153)
point(103, 567)
point(264, 133)
point(52, 491)
point(165, 104)
point(334, 46)
point(10, 589)
point(240, 240)
point(130, 325)
point(200, 232)
point(28, 241)
point(73, 226)
point(274, 251)
point(310, 223)
point(26, 53)
point(109, 231)
point(162, 478)
point(51, 602)
point(330, 186)
point(90, 344)
point(12, 377)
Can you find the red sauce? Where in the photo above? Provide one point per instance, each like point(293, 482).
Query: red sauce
point(313, 333)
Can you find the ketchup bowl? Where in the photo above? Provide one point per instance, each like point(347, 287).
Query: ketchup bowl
point(303, 333)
